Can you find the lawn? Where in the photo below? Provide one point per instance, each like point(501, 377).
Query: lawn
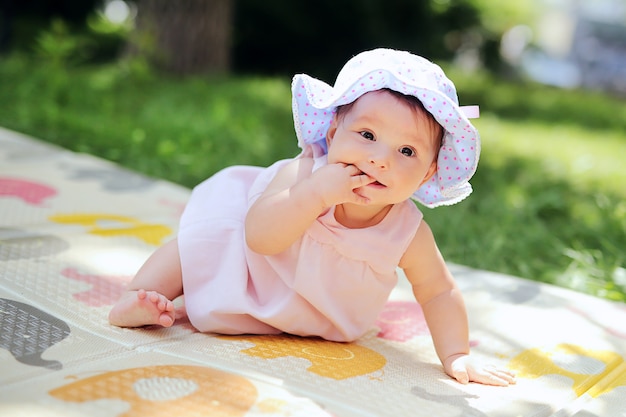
point(549, 202)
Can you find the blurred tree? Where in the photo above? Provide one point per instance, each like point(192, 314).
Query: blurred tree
point(6, 24)
point(275, 36)
point(498, 17)
point(184, 37)
point(286, 36)
point(22, 21)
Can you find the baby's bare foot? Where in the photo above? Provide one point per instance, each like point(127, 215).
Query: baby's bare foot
point(142, 308)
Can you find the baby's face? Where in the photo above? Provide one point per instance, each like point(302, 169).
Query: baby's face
point(389, 141)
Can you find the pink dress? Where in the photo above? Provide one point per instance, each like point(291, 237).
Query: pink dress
point(332, 282)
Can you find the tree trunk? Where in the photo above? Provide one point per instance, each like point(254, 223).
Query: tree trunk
point(185, 37)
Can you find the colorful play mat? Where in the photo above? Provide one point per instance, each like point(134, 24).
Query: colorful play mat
point(75, 228)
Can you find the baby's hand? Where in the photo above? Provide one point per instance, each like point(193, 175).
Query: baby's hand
point(466, 369)
point(338, 183)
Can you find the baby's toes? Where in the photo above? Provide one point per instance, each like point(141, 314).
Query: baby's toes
point(166, 320)
point(163, 304)
point(153, 297)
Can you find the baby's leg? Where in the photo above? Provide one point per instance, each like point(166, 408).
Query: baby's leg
point(149, 296)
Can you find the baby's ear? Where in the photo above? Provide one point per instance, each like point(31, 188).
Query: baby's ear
point(432, 170)
point(330, 133)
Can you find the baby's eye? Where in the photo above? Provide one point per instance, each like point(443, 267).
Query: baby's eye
point(368, 135)
point(407, 151)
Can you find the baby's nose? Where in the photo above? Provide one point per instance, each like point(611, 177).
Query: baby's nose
point(379, 157)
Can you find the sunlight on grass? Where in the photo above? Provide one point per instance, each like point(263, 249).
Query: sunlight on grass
point(587, 159)
point(549, 204)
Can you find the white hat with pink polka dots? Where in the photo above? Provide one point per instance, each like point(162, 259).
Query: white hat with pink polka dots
point(314, 104)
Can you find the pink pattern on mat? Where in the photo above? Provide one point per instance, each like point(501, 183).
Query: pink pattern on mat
point(30, 192)
point(401, 321)
point(105, 290)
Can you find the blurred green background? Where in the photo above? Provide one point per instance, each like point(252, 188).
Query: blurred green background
point(179, 90)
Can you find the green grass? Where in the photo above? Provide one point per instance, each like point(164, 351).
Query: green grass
point(182, 131)
point(549, 202)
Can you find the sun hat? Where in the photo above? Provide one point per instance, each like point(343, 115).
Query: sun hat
point(314, 104)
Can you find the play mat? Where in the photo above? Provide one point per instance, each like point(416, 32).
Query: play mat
point(74, 229)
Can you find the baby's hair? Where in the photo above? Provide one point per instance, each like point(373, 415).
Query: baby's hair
point(413, 102)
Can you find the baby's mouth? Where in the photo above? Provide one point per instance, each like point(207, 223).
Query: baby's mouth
point(376, 183)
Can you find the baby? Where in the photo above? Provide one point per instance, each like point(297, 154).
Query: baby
point(311, 245)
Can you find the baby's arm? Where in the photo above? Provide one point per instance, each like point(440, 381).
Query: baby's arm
point(444, 309)
point(295, 198)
